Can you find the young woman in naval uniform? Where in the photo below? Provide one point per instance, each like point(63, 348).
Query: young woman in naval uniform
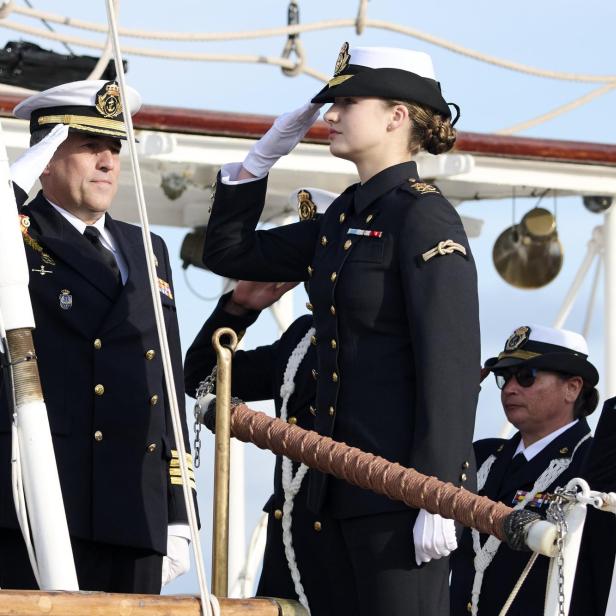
point(393, 291)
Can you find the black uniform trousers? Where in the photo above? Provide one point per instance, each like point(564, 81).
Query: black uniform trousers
point(99, 566)
point(505, 481)
point(348, 567)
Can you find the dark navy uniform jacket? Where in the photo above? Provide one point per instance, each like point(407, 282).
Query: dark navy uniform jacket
point(503, 485)
point(397, 367)
point(598, 551)
point(101, 371)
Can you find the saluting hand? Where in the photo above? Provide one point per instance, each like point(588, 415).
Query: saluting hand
point(256, 295)
point(29, 166)
point(286, 132)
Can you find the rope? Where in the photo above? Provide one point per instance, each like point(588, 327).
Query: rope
point(206, 602)
point(519, 583)
point(103, 61)
point(485, 555)
point(6, 8)
point(368, 471)
point(292, 483)
point(319, 25)
point(574, 104)
point(168, 54)
point(360, 21)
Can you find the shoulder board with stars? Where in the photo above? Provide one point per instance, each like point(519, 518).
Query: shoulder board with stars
point(421, 188)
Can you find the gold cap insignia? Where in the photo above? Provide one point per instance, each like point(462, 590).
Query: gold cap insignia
point(343, 59)
point(306, 207)
point(518, 338)
point(108, 102)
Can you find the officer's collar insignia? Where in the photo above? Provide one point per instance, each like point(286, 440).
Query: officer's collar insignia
point(66, 299)
point(518, 338)
point(343, 59)
point(24, 224)
point(306, 208)
point(421, 187)
point(165, 288)
point(108, 102)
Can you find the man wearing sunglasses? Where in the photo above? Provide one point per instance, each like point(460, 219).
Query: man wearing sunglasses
point(547, 390)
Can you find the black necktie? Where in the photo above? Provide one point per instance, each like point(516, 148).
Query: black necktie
point(517, 462)
point(93, 235)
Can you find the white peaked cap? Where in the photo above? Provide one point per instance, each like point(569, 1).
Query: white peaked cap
point(560, 337)
point(417, 62)
point(73, 94)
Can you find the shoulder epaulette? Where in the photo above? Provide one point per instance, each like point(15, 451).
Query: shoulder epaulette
point(421, 188)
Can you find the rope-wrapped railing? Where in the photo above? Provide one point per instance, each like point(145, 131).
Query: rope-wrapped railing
point(370, 472)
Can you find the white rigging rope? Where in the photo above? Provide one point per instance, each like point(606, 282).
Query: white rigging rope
point(327, 24)
point(208, 604)
point(550, 115)
point(295, 68)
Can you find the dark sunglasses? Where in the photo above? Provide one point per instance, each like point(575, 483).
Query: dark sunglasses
point(524, 376)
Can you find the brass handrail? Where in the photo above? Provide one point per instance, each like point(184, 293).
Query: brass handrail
point(220, 529)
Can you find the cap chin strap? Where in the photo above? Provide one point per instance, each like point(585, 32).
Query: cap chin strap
point(457, 108)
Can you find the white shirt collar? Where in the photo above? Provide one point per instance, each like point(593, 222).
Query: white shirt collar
point(106, 237)
point(532, 450)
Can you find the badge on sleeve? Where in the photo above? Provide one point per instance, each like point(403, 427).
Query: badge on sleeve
point(165, 288)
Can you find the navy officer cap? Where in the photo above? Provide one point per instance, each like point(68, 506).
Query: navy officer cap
point(93, 107)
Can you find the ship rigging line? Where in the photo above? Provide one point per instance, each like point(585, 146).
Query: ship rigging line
point(209, 604)
point(291, 68)
point(328, 24)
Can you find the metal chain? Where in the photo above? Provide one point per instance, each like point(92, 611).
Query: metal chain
point(556, 515)
point(206, 386)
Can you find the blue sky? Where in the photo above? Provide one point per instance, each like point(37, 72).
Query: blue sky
point(563, 35)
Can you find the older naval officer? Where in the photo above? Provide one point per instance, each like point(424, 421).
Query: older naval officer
point(98, 353)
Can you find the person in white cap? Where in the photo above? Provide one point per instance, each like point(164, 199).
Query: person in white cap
point(393, 291)
point(548, 388)
point(98, 354)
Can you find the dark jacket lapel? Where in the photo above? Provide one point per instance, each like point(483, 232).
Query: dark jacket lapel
point(498, 471)
point(135, 295)
point(62, 240)
point(561, 447)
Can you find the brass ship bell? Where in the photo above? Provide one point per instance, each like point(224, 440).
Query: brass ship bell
point(529, 255)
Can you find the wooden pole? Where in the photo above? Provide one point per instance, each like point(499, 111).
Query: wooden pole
point(35, 602)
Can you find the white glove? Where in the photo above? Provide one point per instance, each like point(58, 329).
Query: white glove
point(29, 166)
point(177, 560)
point(280, 139)
point(434, 537)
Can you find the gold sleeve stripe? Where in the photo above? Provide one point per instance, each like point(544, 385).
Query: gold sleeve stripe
point(177, 481)
point(175, 472)
point(174, 454)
